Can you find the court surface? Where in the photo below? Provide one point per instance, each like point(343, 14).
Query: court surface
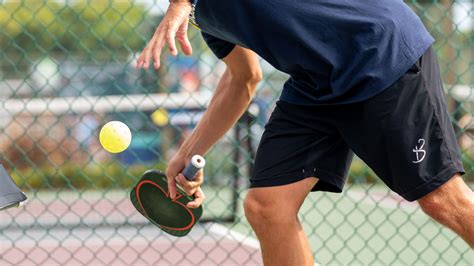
point(366, 225)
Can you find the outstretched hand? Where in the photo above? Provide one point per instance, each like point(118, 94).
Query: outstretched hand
point(174, 26)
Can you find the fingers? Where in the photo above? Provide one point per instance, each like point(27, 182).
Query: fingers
point(170, 174)
point(182, 36)
point(170, 37)
point(173, 26)
point(172, 187)
point(198, 199)
point(140, 60)
point(190, 187)
point(157, 54)
point(153, 50)
point(186, 46)
point(144, 58)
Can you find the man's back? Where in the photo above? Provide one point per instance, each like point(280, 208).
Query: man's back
point(335, 51)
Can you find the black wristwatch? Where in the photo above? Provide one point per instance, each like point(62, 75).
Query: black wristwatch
point(192, 15)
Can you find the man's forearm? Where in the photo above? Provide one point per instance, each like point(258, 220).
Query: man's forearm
point(229, 102)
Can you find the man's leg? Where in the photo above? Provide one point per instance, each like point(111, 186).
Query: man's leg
point(273, 214)
point(452, 205)
point(299, 142)
point(406, 136)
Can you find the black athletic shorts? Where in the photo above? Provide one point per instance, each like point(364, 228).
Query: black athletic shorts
point(404, 134)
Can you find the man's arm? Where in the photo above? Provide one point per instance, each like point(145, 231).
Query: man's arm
point(231, 98)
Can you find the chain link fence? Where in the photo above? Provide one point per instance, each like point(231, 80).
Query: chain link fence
point(67, 68)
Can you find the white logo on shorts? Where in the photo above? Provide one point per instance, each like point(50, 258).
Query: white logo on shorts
point(419, 151)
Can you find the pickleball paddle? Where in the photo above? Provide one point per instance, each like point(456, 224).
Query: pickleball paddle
point(151, 198)
point(10, 194)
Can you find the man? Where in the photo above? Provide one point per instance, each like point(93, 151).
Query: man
point(363, 78)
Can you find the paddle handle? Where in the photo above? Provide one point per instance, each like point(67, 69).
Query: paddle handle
point(196, 164)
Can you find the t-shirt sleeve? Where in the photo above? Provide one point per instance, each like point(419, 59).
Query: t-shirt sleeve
point(219, 47)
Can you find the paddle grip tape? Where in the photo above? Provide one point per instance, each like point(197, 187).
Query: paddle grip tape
point(196, 164)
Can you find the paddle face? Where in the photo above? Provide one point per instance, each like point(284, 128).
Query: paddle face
point(151, 198)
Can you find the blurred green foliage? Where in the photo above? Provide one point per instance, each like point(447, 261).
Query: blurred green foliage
point(82, 26)
point(114, 175)
point(72, 176)
point(97, 30)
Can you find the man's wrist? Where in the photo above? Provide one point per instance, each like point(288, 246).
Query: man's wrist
point(185, 154)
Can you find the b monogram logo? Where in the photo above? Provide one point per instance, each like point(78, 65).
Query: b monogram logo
point(419, 152)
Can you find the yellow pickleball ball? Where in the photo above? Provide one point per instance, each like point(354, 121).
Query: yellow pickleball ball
point(160, 117)
point(115, 136)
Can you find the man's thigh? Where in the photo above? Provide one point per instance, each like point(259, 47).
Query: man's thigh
point(404, 134)
point(299, 142)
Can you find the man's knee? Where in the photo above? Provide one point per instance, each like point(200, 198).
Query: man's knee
point(260, 211)
point(434, 206)
point(447, 202)
point(278, 205)
point(256, 210)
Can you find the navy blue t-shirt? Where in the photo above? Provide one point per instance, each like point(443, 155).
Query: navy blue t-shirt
point(335, 51)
